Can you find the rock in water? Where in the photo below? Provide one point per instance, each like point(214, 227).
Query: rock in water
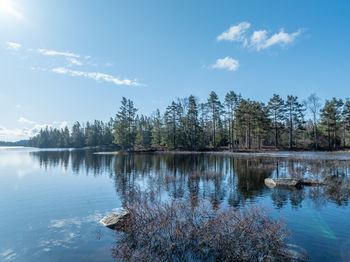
point(117, 222)
point(283, 182)
point(291, 182)
point(270, 183)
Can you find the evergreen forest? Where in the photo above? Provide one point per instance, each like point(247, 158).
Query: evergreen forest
point(232, 123)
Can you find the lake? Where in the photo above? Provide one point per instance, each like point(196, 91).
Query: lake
point(51, 200)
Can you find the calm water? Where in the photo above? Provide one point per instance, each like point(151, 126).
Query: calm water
point(51, 201)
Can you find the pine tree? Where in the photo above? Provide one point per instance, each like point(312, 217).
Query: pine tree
point(295, 116)
point(157, 130)
point(192, 124)
point(331, 116)
point(231, 102)
point(182, 106)
point(346, 119)
point(124, 128)
point(144, 132)
point(107, 136)
point(171, 118)
point(277, 110)
point(66, 137)
point(78, 137)
point(261, 121)
point(215, 110)
point(204, 128)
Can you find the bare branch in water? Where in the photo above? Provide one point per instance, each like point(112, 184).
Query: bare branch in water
point(176, 231)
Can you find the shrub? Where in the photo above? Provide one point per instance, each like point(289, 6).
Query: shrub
point(176, 231)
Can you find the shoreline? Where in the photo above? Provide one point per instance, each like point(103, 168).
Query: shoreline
point(309, 155)
point(219, 150)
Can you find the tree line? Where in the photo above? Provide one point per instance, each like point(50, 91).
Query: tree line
point(17, 143)
point(235, 123)
point(86, 135)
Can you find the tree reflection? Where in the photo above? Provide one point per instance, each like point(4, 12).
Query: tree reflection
point(221, 179)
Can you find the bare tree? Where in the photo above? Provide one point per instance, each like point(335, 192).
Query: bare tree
point(313, 104)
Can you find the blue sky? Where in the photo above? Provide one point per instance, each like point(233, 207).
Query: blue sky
point(63, 61)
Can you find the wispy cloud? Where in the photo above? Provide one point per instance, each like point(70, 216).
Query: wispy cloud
point(259, 39)
point(235, 33)
point(96, 76)
point(25, 121)
point(69, 60)
point(226, 63)
point(74, 61)
point(13, 46)
point(56, 53)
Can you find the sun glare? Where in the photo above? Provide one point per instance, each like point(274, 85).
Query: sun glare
point(8, 7)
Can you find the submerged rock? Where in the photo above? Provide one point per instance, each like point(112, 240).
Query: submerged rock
point(295, 253)
point(116, 222)
point(290, 253)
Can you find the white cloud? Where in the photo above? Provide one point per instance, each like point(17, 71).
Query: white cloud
point(18, 106)
point(259, 39)
point(96, 76)
point(226, 63)
point(55, 53)
point(74, 61)
point(235, 33)
point(60, 125)
point(15, 134)
point(25, 121)
point(13, 46)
